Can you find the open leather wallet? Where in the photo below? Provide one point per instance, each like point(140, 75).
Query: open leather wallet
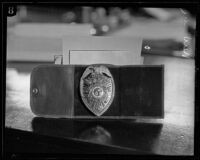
point(97, 91)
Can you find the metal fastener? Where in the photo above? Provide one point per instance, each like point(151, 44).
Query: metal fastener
point(147, 47)
point(35, 91)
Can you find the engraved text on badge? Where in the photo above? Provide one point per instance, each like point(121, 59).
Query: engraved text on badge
point(97, 88)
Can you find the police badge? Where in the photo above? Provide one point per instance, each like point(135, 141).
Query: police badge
point(97, 89)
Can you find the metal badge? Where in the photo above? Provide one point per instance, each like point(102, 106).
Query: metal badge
point(97, 88)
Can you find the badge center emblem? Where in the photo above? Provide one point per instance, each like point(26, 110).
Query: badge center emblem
point(97, 89)
point(98, 92)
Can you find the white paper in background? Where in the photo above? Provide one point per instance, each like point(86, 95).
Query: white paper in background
point(112, 50)
point(40, 42)
point(108, 57)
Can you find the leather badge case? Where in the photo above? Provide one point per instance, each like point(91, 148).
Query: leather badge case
point(55, 91)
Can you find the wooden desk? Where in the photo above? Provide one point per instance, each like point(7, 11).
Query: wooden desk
point(174, 135)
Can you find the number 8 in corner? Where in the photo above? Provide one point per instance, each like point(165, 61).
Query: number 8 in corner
point(11, 11)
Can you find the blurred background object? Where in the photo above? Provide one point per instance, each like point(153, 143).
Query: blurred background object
point(176, 25)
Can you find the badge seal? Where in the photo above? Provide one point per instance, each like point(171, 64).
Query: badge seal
point(97, 89)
